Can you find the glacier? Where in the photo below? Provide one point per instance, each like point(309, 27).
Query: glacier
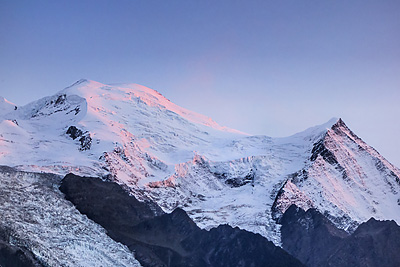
point(34, 215)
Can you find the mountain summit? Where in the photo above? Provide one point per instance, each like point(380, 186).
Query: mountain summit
point(181, 159)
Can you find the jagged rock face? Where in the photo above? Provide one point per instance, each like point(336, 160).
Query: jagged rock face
point(227, 246)
point(169, 239)
point(85, 139)
point(74, 132)
point(86, 142)
point(48, 106)
point(374, 243)
point(309, 236)
point(240, 181)
point(314, 240)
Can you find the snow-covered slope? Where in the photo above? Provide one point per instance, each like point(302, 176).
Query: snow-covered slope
point(133, 118)
point(346, 179)
point(183, 159)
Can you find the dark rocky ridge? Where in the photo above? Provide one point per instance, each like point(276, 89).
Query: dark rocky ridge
point(107, 203)
point(314, 240)
point(170, 239)
point(374, 243)
point(309, 236)
point(14, 256)
point(222, 246)
point(319, 149)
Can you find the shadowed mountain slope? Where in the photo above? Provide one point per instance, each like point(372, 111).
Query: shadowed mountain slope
point(314, 240)
point(169, 239)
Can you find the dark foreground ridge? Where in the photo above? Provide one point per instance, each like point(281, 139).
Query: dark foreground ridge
point(314, 240)
point(168, 239)
point(14, 256)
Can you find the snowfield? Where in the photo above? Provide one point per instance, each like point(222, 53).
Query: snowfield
point(179, 158)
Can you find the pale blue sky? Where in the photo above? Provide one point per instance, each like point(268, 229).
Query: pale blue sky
point(263, 67)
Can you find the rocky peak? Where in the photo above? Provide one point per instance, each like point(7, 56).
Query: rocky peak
point(313, 239)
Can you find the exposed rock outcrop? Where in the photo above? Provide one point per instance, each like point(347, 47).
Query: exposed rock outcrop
point(84, 137)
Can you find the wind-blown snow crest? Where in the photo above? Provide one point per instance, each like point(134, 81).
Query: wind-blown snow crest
point(6, 106)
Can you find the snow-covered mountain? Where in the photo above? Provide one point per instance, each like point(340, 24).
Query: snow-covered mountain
point(179, 158)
